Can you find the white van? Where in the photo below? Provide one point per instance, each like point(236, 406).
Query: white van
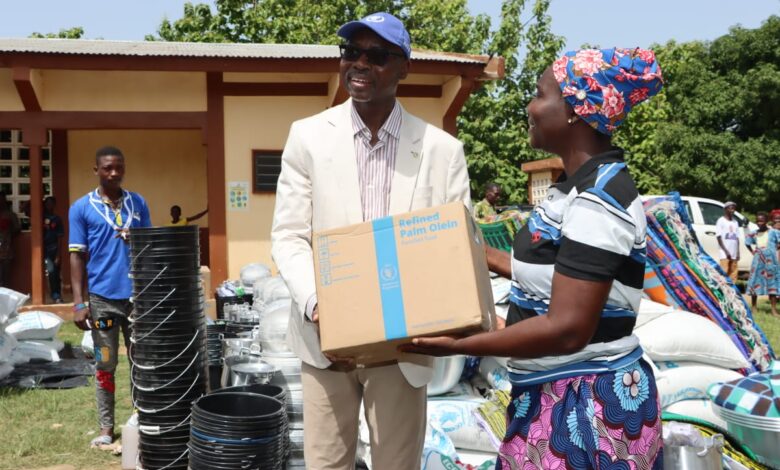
point(704, 214)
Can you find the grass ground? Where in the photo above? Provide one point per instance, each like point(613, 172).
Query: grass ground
point(769, 323)
point(43, 428)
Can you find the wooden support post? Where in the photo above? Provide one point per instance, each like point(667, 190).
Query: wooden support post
point(215, 165)
point(35, 138)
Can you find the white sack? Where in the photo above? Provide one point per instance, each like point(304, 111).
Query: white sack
point(5, 369)
point(456, 419)
point(685, 336)
point(10, 301)
point(494, 370)
point(466, 460)
point(477, 460)
point(502, 310)
point(87, 345)
point(688, 380)
point(35, 325)
point(649, 311)
point(18, 357)
point(41, 349)
point(7, 345)
point(699, 409)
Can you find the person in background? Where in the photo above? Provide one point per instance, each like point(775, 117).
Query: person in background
point(582, 396)
point(485, 210)
point(26, 210)
point(177, 220)
point(359, 161)
point(9, 227)
point(765, 269)
point(100, 223)
point(53, 231)
point(727, 233)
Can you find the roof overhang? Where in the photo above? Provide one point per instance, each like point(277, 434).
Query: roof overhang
point(79, 54)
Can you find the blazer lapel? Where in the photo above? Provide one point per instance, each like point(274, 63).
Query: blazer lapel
point(407, 164)
point(345, 163)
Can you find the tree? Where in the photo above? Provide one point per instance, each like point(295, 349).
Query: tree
point(69, 33)
point(715, 131)
point(638, 136)
point(493, 122)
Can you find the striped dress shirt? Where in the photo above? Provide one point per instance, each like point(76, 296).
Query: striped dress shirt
point(375, 170)
point(376, 164)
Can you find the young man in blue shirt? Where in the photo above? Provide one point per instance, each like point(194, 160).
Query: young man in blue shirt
point(99, 226)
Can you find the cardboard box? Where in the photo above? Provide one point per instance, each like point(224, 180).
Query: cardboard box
point(383, 282)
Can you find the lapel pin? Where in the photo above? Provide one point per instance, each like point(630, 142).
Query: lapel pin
point(415, 154)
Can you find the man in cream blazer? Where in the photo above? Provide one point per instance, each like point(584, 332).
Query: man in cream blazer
point(323, 185)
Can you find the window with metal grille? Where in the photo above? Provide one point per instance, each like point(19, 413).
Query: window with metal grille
point(15, 172)
point(266, 166)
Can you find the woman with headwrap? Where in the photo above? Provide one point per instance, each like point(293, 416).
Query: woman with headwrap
point(582, 397)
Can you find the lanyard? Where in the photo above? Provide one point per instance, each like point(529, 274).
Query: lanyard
point(105, 215)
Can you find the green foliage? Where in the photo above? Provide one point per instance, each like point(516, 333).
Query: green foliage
point(637, 136)
point(69, 33)
point(714, 131)
point(493, 122)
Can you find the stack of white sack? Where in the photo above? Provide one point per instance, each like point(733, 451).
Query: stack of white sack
point(10, 301)
point(35, 333)
point(454, 437)
point(688, 353)
point(501, 287)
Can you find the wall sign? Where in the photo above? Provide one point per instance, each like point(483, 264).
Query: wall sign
point(238, 196)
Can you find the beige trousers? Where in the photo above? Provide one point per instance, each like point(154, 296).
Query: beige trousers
point(395, 413)
point(730, 266)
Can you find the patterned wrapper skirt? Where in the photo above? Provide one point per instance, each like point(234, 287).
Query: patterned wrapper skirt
point(610, 420)
point(764, 273)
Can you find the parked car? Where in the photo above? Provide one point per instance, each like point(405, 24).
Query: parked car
point(704, 214)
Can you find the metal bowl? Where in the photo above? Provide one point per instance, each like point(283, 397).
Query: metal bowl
point(446, 373)
point(239, 346)
point(251, 369)
point(761, 434)
point(246, 373)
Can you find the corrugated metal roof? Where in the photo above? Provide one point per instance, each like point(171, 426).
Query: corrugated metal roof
point(200, 49)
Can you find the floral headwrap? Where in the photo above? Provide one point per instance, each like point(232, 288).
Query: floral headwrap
point(603, 85)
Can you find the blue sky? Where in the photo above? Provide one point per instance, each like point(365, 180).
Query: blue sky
point(601, 22)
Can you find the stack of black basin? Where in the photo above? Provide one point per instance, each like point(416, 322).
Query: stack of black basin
point(168, 344)
point(238, 430)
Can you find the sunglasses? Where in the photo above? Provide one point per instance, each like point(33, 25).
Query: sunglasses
point(374, 55)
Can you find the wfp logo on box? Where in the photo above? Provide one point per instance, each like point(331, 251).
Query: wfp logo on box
point(389, 273)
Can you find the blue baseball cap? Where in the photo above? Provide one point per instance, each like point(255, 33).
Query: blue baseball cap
point(385, 25)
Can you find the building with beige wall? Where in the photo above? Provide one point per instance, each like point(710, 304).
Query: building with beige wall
point(189, 117)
